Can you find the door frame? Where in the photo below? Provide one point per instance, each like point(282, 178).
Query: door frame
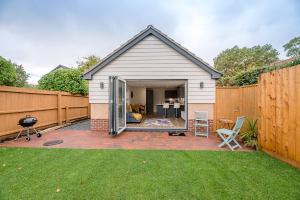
point(185, 128)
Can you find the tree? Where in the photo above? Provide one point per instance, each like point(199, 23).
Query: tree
point(292, 48)
point(68, 80)
point(21, 76)
point(87, 62)
point(7, 72)
point(235, 60)
point(12, 74)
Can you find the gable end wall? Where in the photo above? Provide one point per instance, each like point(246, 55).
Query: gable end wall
point(153, 59)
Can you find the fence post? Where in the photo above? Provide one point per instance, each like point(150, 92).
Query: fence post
point(89, 111)
point(215, 115)
point(67, 111)
point(59, 120)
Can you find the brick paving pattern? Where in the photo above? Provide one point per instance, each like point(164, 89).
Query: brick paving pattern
point(85, 139)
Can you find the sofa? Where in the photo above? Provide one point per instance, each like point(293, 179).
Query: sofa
point(133, 115)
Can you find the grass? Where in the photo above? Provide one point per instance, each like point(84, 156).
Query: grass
point(122, 174)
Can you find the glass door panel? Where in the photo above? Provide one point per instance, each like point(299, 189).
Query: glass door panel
point(121, 105)
point(117, 105)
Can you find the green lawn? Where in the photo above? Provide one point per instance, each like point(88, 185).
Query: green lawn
point(123, 174)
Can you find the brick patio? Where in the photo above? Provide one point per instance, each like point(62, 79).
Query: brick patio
point(85, 139)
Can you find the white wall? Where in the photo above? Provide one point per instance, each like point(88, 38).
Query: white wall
point(153, 59)
point(139, 95)
point(128, 95)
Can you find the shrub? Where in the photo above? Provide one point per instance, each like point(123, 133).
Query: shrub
point(250, 135)
point(68, 80)
point(247, 77)
point(251, 76)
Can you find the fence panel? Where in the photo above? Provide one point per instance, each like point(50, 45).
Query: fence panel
point(49, 107)
point(232, 102)
point(280, 114)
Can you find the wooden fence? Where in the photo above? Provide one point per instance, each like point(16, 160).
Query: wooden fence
point(50, 107)
point(279, 104)
point(275, 102)
point(232, 102)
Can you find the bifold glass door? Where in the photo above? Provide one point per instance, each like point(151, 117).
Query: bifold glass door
point(117, 105)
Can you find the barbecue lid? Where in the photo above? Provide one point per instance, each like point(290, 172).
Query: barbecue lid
point(27, 121)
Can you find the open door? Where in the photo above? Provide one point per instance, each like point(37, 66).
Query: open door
point(117, 105)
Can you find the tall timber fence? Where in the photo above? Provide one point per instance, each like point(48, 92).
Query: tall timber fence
point(51, 108)
point(279, 105)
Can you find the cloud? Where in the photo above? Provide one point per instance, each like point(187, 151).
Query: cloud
point(207, 28)
point(42, 35)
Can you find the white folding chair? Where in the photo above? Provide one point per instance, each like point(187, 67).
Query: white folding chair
point(201, 122)
point(228, 136)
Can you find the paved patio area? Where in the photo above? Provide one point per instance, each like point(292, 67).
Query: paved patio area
point(127, 140)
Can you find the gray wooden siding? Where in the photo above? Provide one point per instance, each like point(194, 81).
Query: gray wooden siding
point(152, 59)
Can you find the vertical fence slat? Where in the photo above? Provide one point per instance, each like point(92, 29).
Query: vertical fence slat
point(262, 111)
point(67, 114)
point(267, 114)
point(272, 111)
point(279, 124)
point(297, 108)
point(59, 119)
point(292, 114)
point(285, 110)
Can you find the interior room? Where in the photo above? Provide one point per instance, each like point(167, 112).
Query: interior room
point(156, 104)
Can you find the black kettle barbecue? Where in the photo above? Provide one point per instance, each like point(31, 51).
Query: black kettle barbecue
point(27, 124)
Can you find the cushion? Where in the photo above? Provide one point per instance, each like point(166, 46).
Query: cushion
point(137, 116)
point(135, 107)
point(128, 108)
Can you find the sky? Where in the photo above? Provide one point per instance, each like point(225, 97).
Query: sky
point(41, 34)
